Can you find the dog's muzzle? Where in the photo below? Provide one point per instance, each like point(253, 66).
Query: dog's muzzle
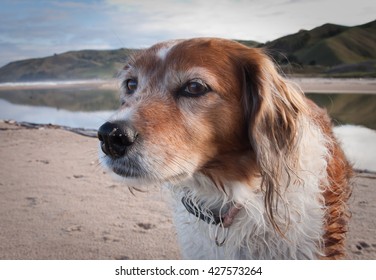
point(116, 138)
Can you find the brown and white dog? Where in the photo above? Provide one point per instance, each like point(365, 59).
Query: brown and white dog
point(253, 165)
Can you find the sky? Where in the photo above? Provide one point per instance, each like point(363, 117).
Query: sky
point(39, 28)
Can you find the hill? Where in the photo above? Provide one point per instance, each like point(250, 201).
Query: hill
point(85, 64)
point(329, 50)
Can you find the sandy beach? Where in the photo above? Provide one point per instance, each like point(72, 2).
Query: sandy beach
point(56, 202)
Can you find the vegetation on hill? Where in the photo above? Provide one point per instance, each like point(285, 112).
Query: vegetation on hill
point(328, 50)
point(73, 65)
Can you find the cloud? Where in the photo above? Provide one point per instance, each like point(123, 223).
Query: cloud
point(141, 21)
point(40, 28)
point(229, 19)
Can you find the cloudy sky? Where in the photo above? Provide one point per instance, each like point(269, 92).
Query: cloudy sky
point(37, 28)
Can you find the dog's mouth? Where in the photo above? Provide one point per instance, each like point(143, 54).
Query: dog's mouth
point(124, 167)
point(128, 171)
point(129, 168)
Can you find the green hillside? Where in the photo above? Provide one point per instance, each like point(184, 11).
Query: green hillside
point(328, 46)
point(328, 50)
point(249, 43)
point(85, 64)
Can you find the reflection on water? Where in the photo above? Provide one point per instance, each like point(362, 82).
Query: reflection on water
point(72, 99)
point(359, 109)
point(75, 107)
point(90, 107)
point(46, 115)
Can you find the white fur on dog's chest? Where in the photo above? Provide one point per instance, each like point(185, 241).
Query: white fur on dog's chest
point(251, 236)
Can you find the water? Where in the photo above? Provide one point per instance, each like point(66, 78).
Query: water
point(358, 109)
point(88, 105)
point(50, 115)
point(83, 107)
point(359, 145)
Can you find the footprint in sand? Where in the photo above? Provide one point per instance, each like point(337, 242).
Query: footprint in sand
point(146, 226)
point(74, 228)
point(32, 201)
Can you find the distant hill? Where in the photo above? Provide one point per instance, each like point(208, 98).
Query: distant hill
point(249, 43)
point(339, 49)
point(327, 50)
point(73, 65)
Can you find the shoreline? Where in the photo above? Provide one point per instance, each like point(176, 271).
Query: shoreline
point(336, 85)
point(94, 83)
point(92, 133)
point(308, 85)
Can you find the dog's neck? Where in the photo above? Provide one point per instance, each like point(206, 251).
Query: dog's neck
point(224, 218)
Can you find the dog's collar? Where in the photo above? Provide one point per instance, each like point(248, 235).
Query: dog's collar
point(209, 216)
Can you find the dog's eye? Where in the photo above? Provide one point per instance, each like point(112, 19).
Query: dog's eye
point(195, 88)
point(130, 85)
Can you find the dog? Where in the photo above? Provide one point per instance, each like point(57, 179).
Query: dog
point(253, 166)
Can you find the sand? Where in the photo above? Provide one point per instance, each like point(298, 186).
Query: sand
point(327, 85)
point(56, 202)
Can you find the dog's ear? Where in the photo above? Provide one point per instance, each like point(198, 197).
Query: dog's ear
point(273, 109)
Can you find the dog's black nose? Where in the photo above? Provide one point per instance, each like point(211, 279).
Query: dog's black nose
point(116, 138)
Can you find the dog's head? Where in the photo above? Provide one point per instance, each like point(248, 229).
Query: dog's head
point(208, 106)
